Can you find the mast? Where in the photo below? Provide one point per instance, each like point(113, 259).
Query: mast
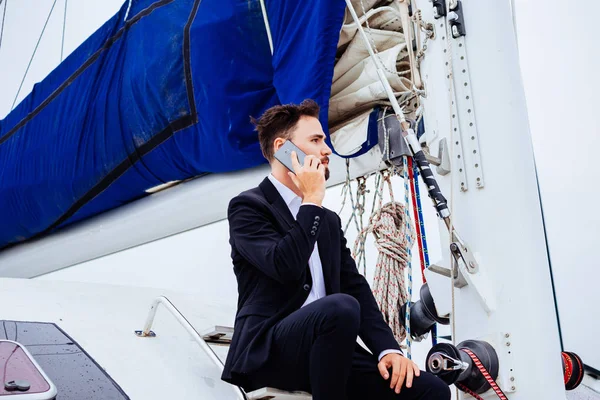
point(493, 196)
point(497, 269)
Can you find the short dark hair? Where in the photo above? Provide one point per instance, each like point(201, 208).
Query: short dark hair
point(280, 121)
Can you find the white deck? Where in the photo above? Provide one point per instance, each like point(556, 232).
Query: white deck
point(102, 319)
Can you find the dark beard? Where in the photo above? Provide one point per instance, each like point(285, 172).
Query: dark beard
point(326, 172)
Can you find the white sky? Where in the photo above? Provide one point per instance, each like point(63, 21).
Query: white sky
point(23, 25)
point(559, 63)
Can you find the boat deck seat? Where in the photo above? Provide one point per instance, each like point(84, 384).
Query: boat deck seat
point(221, 335)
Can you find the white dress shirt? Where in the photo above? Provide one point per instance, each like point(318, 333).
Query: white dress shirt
point(294, 202)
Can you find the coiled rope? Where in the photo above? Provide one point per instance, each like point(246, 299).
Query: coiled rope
point(394, 235)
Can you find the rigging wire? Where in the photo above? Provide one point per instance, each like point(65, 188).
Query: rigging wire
point(33, 55)
point(127, 12)
point(62, 46)
point(3, 18)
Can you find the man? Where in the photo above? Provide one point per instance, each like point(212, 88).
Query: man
point(302, 302)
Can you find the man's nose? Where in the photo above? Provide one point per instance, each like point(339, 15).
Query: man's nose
point(326, 150)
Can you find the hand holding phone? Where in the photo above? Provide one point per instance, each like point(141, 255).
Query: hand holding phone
point(307, 172)
point(284, 154)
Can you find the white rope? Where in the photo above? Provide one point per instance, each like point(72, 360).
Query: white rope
point(356, 206)
point(390, 224)
point(386, 136)
point(358, 211)
point(386, 84)
point(408, 63)
point(408, 31)
point(393, 234)
point(427, 28)
point(410, 239)
point(403, 54)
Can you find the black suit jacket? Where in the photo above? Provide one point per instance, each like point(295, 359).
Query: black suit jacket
point(270, 252)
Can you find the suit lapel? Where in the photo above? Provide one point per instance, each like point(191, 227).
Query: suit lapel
point(325, 240)
point(275, 199)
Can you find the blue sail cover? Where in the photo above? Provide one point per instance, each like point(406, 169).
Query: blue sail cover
point(165, 95)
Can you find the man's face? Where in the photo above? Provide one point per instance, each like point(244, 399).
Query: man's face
point(310, 138)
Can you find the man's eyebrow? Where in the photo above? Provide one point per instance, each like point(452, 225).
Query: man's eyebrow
point(317, 135)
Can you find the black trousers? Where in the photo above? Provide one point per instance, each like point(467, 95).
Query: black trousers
point(315, 350)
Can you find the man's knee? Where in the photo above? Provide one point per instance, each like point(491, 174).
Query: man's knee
point(434, 388)
point(342, 309)
point(441, 390)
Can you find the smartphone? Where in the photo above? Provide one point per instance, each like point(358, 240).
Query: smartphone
point(284, 154)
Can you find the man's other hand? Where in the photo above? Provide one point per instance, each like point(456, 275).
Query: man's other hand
point(402, 368)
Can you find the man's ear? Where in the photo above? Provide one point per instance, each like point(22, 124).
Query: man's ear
point(277, 143)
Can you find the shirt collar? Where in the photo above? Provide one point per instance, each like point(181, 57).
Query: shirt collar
point(285, 192)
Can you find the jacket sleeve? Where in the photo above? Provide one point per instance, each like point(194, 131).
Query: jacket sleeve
point(374, 331)
point(281, 257)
